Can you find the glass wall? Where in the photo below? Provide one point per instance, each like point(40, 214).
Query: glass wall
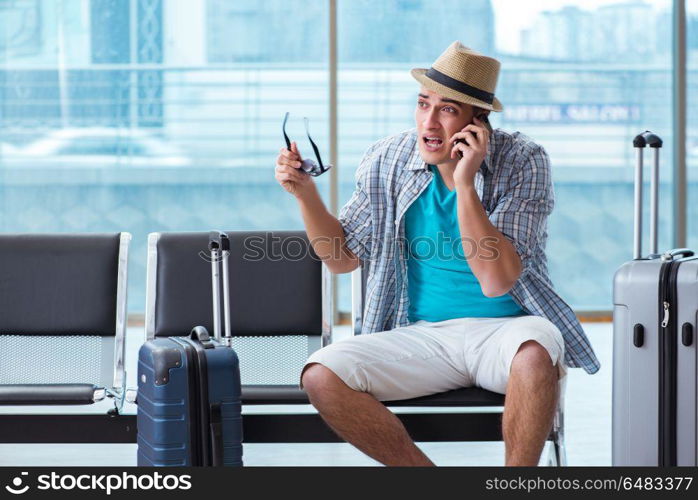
point(580, 78)
point(161, 115)
point(155, 115)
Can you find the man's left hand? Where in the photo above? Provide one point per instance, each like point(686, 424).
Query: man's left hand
point(477, 138)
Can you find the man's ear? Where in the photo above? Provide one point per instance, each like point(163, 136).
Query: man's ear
point(479, 112)
point(482, 115)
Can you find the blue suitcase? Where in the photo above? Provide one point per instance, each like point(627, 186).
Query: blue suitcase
point(189, 389)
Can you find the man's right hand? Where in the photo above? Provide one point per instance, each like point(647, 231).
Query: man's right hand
point(289, 174)
point(324, 230)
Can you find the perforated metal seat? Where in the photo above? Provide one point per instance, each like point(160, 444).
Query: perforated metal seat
point(62, 318)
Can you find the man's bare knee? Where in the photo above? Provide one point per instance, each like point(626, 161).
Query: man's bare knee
point(317, 378)
point(532, 359)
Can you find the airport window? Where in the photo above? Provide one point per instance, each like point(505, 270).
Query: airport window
point(198, 91)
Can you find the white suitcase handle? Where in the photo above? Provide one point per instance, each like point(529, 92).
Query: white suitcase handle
point(644, 139)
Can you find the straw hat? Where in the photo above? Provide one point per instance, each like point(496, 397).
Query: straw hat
point(464, 75)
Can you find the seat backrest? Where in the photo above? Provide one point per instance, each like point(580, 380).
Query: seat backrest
point(63, 308)
point(276, 296)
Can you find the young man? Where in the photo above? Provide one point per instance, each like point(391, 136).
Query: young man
point(481, 312)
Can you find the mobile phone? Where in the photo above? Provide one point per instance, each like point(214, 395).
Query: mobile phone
point(483, 118)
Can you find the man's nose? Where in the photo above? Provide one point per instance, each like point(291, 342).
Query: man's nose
point(430, 119)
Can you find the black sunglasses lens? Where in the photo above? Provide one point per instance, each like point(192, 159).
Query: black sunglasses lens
point(288, 141)
point(312, 143)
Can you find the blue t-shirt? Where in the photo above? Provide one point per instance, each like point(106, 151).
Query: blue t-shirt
point(441, 285)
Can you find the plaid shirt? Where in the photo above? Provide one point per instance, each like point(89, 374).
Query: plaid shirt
point(515, 186)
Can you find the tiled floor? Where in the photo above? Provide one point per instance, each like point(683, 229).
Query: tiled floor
point(587, 426)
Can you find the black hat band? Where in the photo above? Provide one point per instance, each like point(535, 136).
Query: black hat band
point(458, 86)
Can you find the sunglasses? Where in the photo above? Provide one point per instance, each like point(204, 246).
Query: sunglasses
point(308, 166)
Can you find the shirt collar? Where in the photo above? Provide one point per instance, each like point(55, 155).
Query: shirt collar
point(417, 163)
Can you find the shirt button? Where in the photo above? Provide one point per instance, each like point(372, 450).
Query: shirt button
point(415, 191)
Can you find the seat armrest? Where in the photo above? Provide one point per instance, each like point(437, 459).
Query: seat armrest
point(50, 394)
point(273, 395)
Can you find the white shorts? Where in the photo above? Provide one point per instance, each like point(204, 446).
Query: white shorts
point(431, 357)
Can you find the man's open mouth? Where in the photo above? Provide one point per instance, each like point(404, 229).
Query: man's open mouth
point(432, 142)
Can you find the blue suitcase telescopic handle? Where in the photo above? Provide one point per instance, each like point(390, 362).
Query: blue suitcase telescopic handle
point(218, 240)
point(219, 245)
